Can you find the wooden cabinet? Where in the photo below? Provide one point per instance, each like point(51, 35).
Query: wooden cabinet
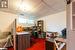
point(71, 15)
point(70, 25)
point(22, 41)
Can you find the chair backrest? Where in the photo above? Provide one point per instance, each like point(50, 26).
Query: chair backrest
point(59, 44)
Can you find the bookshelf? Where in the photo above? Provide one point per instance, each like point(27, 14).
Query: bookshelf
point(40, 25)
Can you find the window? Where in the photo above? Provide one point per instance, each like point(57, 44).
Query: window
point(25, 21)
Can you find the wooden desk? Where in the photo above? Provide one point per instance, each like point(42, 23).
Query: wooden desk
point(50, 45)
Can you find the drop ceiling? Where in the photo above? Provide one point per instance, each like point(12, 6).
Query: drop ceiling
point(40, 7)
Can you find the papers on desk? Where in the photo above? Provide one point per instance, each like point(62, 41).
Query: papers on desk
point(60, 39)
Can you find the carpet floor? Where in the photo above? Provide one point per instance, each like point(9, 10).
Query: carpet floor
point(39, 45)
